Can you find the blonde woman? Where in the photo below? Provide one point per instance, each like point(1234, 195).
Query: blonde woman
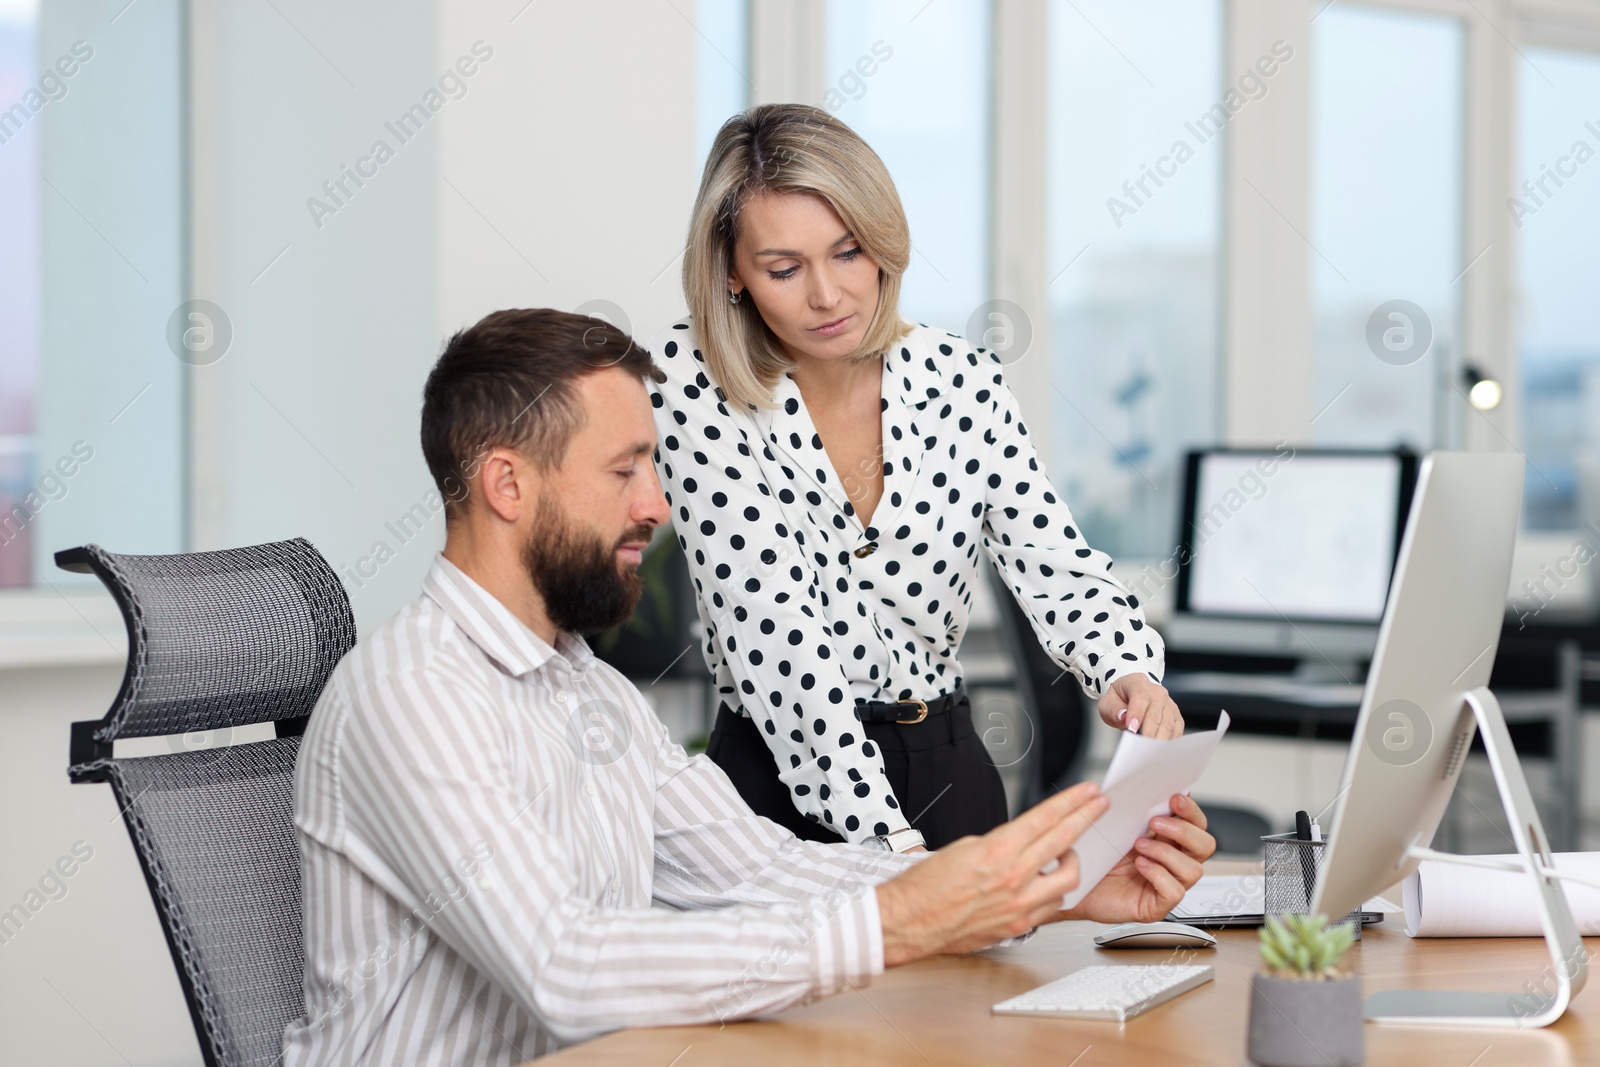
point(837, 477)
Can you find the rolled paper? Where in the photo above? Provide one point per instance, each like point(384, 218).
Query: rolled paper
point(1449, 900)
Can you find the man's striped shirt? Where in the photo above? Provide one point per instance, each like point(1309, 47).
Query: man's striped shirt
point(503, 852)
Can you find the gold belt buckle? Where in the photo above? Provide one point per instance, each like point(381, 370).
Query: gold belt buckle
point(922, 712)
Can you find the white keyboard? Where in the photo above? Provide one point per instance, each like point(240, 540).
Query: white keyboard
point(1117, 993)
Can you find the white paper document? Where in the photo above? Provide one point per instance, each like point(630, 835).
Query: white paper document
point(1448, 900)
point(1223, 896)
point(1143, 776)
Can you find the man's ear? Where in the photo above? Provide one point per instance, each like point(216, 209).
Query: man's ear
point(508, 482)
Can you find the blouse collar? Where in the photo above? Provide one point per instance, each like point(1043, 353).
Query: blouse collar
point(914, 373)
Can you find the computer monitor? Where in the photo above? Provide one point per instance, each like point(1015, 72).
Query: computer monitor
point(1425, 696)
point(1288, 551)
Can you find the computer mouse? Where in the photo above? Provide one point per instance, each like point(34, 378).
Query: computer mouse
point(1155, 935)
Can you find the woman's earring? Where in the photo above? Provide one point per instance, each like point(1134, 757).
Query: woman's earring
point(735, 295)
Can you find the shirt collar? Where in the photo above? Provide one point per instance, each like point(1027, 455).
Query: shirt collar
point(911, 378)
point(912, 365)
point(491, 626)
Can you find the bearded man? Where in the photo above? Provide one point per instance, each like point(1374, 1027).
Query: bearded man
point(503, 851)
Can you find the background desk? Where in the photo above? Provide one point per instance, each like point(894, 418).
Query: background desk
point(1538, 680)
point(936, 1013)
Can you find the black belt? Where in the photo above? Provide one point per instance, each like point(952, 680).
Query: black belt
point(905, 712)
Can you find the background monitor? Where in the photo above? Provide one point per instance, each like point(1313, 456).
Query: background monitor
point(1301, 535)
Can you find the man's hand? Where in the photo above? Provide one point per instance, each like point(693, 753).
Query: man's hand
point(1148, 882)
point(1142, 706)
point(979, 890)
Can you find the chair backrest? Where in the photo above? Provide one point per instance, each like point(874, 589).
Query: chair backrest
point(219, 640)
point(1055, 704)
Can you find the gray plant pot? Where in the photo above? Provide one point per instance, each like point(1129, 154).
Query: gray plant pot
point(1297, 1023)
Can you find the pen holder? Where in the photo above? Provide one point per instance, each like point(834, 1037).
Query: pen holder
point(1292, 866)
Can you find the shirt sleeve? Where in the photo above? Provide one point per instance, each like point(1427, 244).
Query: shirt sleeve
point(422, 786)
point(760, 600)
point(712, 850)
point(1088, 621)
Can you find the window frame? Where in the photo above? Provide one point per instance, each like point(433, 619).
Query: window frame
point(51, 623)
point(1267, 313)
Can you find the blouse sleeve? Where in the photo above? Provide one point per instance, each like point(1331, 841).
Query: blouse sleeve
point(1088, 621)
point(760, 599)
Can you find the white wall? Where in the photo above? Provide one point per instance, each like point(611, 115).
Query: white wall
point(562, 175)
point(308, 425)
point(578, 150)
point(87, 980)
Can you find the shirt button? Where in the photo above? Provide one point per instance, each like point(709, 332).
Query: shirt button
point(561, 696)
point(588, 787)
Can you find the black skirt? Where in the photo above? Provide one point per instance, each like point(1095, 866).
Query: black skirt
point(939, 770)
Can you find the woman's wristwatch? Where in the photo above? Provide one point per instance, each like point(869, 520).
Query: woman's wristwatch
point(902, 840)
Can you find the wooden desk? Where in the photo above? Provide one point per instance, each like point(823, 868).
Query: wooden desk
point(936, 1013)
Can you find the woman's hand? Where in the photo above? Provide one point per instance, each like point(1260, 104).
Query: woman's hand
point(1148, 882)
point(1139, 705)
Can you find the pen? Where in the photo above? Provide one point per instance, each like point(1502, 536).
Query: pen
point(1308, 863)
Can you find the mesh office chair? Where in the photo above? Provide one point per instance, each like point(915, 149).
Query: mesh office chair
point(219, 640)
point(1061, 715)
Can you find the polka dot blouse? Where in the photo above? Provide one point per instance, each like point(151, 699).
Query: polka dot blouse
point(803, 616)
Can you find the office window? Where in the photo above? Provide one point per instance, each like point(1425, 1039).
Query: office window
point(722, 69)
point(19, 289)
point(1135, 157)
point(1556, 208)
point(913, 79)
point(1386, 206)
point(95, 339)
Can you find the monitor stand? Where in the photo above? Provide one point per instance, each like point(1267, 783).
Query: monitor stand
point(1541, 1000)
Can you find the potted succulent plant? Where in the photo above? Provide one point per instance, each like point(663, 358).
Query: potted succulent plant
point(1305, 1009)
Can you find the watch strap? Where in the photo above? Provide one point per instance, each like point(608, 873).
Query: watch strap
point(903, 840)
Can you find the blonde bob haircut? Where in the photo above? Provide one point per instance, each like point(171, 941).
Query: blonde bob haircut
point(786, 148)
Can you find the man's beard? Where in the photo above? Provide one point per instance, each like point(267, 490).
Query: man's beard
point(584, 588)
